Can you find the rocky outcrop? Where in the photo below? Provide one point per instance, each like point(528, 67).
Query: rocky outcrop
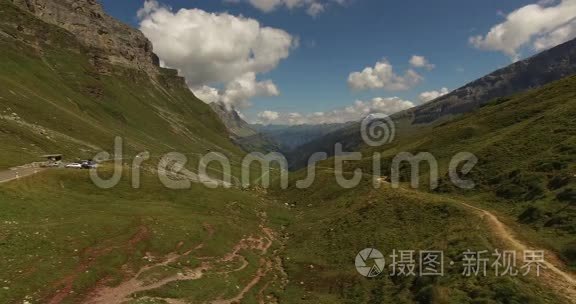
point(111, 40)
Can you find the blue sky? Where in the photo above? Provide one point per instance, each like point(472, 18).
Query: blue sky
point(347, 38)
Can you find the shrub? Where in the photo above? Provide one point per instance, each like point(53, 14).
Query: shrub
point(567, 195)
point(531, 215)
point(569, 253)
point(559, 181)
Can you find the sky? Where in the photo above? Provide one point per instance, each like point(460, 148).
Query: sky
point(325, 61)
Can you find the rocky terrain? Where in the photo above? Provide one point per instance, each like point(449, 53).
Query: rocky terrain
point(108, 39)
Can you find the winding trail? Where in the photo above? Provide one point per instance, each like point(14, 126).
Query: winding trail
point(562, 282)
point(553, 276)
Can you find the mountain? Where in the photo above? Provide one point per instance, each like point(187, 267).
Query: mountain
point(291, 137)
point(73, 78)
point(242, 133)
point(548, 66)
point(543, 68)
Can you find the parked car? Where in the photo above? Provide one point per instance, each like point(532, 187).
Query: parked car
point(74, 166)
point(89, 164)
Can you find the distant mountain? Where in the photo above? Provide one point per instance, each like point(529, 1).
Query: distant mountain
point(242, 133)
point(291, 137)
point(541, 69)
point(546, 67)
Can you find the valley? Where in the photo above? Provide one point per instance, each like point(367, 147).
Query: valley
point(76, 82)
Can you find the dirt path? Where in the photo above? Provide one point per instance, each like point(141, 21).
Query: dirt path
point(555, 278)
point(17, 173)
point(562, 282)
point(266, 264)
point(136, 284)
point(90, 255)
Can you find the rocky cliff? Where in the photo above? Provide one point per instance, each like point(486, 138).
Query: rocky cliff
point(108, 39)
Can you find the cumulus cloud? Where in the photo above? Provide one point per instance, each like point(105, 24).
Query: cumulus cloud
point(541, 25)
point(312, 7)
point(354, 112)
point(421, 62)
point(382, 76)
point(556, 37)
point(207, 94)
point(268, 116)
point(431, 95)
point(237, 93)
point(216, 49)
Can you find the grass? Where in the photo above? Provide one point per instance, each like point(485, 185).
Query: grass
point(53, 222)
point(526, 147)
point(331, 225)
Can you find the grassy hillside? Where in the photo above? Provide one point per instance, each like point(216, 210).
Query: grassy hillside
point(54, 98)
point(526, 147)
point(64, 240)
point(331, 225)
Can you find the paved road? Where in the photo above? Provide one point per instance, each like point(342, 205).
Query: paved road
point(14, 174)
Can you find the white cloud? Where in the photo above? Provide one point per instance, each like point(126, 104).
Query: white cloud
point(556, 37)
point(207, 94)
point(382, 76)
point(315, 9)
point(239, 92)
point(431, 95)
point(354, 112)
point(216, 49)
point(421, 62)
point(242, 89)
point(540, 25)
point(268, 116)
point(312, 7)
point(266, 5)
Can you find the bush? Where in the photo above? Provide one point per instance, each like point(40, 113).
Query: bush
point(567, 195)
point(510, 191)
point(550, 166)
point(569, 253)
point(531, 215)
point(557, 221)
point(521, 186)
point(559, 181)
